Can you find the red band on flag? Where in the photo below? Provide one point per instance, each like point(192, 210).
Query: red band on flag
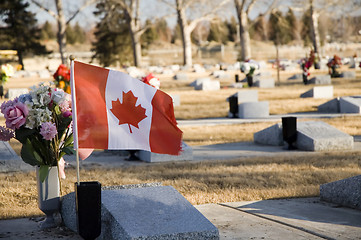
point(164, 132)
point(90, 83)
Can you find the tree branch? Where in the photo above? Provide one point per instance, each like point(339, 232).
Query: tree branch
point(52, 13)
point(88, 3)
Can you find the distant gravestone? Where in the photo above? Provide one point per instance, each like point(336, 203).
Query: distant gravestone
point(247, 96)
point(221, 74)
point(320, 136)
point(348, 74)
point(44, 74)
point(345, 192)
point(176, 100)
point(332, 106)
point(198, 81)
point(208, 86)
point(350, 105)
point(10, 161)
point(181, 76)
point(175, 68)
point(186, 154)
point(167, 71)
point(159, 212)
point(319, 92)
point(249, 110)
point(270, 136)
point(264, 82)
point(320, 80)
point(15, 92)
point(298, 76)
point(311, 136)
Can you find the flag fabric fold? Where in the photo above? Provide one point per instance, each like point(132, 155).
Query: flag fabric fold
point(116, 111)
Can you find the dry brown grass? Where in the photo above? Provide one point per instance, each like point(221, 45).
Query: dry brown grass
point(202, 182)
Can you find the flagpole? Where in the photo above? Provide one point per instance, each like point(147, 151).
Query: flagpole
point(75, 122)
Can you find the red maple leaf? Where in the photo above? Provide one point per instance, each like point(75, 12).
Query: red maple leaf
point(127, 112)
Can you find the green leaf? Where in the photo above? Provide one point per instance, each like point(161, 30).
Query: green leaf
point(69, 141)
point(29, 155)
point(43, 172)
point(68, 150)
point(23, 134)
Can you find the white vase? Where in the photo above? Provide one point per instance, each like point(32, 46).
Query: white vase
point(49, 196)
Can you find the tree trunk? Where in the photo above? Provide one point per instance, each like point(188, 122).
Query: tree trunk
point(244, 36)
point(187, 48)
point(61, 31)
point(314, 28)
point(186, 43)
point(137, 48)
point(20, 58)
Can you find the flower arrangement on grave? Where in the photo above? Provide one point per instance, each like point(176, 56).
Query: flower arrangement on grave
point(41, 122)
point(306, 64)
point(6, 72)
point(151, 80)
point(333, 64)
point(62, 78)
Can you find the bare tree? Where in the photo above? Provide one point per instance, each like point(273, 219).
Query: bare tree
point(62, 22)
point(243, 8)
point(187, 24)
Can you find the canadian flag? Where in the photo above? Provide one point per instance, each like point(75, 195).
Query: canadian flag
point(116, 111)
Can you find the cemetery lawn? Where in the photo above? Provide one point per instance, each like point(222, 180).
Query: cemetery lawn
point(202, 182)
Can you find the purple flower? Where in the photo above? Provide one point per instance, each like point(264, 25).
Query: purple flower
point(15, 115)
point(6, 134)
point(48, 130)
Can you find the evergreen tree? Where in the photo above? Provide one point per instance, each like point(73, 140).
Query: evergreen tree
point(80, 33)
point(232, 29)
point(306, 28)
point(150, 35)
point(20, 30)
point(218, 32)
point(259, 29)
point(279, 30)
point(164, 32)
point(47, 31)
point(112, 46)
point(75, 34)
point(293, 23)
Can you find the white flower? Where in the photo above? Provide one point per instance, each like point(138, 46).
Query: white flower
point(155, 82)
point(7, 69)
point(58, 95)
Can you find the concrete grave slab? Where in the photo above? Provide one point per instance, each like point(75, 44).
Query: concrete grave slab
point(320, 136)
point(181, 77)
point(298, 76)
point(350, 105)
point(159, 212)
point(185, 155)
point(253, 110)
point(320, 80)
point(246, 96)
point(199, 81)
point(209, 86)
point(345, 192)
point(270, 136)
point(332, 106)
point(15, 92)
point(176, 100)
point(264, 82)
point(10, 161)
point(348, 74)
point(319, 92)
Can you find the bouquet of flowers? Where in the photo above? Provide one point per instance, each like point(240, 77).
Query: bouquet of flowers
point(332, 64)
point(62, 78)
point(151, 80)
point(41, 122)
point(6, 71)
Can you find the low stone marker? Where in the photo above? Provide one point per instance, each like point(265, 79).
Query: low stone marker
point(221, 74)
point(298, 76)
point(320, 80)
point(345, 192)
point(319, 92)
point(264, 82)
point(198, 81)
point(350, 105)
point(311, 136)
point(246, 96)
point(176, 100)
point(185, 155)
point(253, 110)
point(15, 92)
point(209, 86)
point(270, 136)
point(159, 212)
point(320, 136)
point(181, 77)
point(348, 74)
point(10, 161)
point(332, 106)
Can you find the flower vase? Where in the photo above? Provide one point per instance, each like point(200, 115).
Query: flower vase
point(49, 196)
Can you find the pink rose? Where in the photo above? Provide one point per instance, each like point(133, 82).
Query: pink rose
point(16, 115)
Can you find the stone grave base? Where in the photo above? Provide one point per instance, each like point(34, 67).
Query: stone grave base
point(350, 104)
point(311, 136)
point(158, 212)
point(319, 92)
point(253, 110)
point(346, 192)
point(185, 155)
point(320, 80)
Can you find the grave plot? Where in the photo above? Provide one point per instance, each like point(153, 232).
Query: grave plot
point(319, 92)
